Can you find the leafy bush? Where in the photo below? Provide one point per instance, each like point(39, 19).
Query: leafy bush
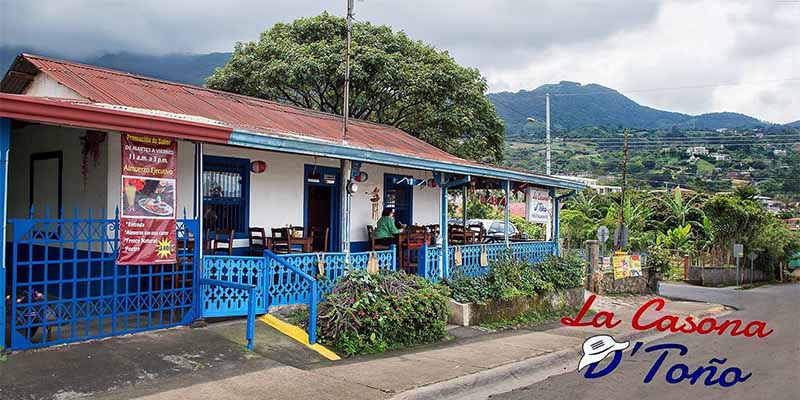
point(371, 313)
point(467, 289)
point(659, 259)
point(509, 277)
point(563, 272)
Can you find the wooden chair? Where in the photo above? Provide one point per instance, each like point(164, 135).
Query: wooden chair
point(410, 243)
point(476, 233)
point(281, 240)
point(257, 239)
point(319, 236)
point(435, 231)
point(372, 245)
point(456, 234)
point(222, 243)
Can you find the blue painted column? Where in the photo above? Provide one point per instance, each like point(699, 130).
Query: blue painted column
point(556, 233)
point(443, 226)
point(507, 190)
point(199, 241)
point(347, 174)
point(5, 139)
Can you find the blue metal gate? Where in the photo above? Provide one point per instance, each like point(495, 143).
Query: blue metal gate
point(66, 286)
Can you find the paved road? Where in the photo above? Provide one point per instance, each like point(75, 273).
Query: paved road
point(774, 361)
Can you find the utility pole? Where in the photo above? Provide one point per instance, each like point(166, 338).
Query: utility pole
point(620, 216)
point(547, 118)
point(346, 113)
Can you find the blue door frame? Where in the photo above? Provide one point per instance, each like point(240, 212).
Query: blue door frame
point(336, 193)
point(404, 212)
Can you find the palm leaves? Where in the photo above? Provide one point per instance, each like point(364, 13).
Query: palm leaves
point(680, 211)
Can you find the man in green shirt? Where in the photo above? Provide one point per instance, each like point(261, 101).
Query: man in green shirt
point(386, 230)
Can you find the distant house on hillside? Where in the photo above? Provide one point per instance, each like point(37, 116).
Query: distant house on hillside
point(593, 184)
point(719, 156)
point(773, 206)
point(778, 152)
point(697, 150)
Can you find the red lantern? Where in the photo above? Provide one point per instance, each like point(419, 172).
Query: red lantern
point(432, 183)
point(258, 167)
point(361, 177)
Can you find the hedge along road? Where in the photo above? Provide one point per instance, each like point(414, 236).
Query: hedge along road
point(773, 360)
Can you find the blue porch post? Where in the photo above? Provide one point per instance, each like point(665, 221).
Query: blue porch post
point(443, 226)
point(554, 221)
point(5, 139)
point(556, 226)
point(347, 174)
point(507, 189)
point(200, 239)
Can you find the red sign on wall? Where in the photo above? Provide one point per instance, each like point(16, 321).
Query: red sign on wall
point(147, 231)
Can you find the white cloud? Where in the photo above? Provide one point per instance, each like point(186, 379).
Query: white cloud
point(631, 45)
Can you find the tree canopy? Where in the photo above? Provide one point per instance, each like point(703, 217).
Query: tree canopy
point(395, 80)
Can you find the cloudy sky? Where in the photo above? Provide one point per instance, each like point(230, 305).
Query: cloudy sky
point(681, 55)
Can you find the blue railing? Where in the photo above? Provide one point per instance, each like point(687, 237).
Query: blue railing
point(66, 286)
point(430, 258)
point(430, 263)
point(288, 288)
point(312, 301)
point(251, 304)
point(219, 301)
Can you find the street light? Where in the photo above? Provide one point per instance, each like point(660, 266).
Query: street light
point(547, 124)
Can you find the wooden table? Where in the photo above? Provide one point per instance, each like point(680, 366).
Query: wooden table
point(307, 243)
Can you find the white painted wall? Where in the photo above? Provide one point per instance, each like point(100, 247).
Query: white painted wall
point(44, 86)
point(46, 138)
point(276, 196)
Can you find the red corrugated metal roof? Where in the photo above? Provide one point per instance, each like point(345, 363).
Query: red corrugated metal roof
point(102, 85)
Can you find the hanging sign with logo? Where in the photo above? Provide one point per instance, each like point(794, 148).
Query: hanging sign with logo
point(147, 226)
point(539, 205)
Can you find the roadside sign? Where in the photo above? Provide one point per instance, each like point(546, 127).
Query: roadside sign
point(738, 250)
point(752, 255)
point(602, 234)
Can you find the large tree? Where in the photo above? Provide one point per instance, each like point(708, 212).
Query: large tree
point(394, 80)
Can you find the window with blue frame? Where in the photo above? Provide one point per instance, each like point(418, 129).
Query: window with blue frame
point(226, 194)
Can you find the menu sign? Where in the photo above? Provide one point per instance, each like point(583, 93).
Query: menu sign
point(147, 232)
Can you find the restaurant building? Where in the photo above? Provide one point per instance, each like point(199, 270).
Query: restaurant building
point(247, 170)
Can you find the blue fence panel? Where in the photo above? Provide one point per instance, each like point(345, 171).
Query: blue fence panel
point(287, 287)
point(430, 263)
point(225, 301)
point(471, 256)
point(535, 252)
point(66, 286)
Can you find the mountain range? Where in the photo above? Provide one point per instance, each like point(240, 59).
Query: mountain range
point(572, 105)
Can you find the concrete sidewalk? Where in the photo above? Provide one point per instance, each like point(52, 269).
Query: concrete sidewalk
point(211, 363)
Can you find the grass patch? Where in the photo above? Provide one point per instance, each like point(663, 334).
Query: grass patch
point(532, 318)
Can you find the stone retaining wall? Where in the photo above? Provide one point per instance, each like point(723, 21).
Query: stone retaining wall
point(604, 283)
point(718, 276)
point(501, 310)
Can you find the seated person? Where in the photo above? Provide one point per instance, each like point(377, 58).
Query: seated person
point(386, 230)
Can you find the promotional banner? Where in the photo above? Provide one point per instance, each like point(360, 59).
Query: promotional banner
point(147, 222)
point(627, 266)
point(539, 206)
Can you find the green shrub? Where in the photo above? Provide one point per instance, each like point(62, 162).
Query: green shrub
point(563, 272)
point(371, 313)
point(467, 289)
point(659, 259)
point(509, 277)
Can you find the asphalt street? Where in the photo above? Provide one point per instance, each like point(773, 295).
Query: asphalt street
point(774, 361)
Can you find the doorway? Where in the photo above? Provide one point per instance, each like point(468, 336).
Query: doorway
point(322, 207)
point(399, 195)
